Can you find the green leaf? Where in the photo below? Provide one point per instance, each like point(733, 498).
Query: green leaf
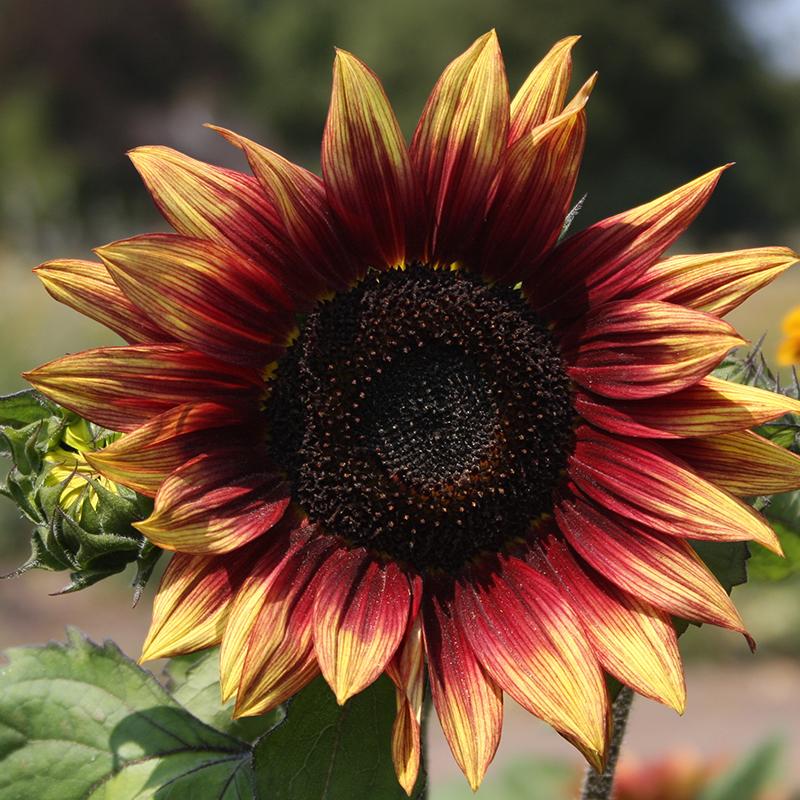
point(748, 779)
point(766, 566)
point(784, 508)
point(22, 408)
point(323, 750)
point(727, 560)
point(194, 683)
point(783, 513)
point(83, 722)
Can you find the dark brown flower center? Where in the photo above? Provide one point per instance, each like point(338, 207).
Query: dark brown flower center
point(423, 414)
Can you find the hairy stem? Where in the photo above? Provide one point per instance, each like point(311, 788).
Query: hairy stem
point(598, 786)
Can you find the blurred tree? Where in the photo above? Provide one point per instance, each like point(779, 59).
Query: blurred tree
point(81, 83)
point(682, 89)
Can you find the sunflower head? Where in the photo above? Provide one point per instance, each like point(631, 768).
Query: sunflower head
point(393, 422)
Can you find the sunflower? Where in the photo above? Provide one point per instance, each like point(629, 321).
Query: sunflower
point(394, 423)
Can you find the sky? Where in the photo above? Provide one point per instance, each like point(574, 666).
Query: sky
point(775, 26)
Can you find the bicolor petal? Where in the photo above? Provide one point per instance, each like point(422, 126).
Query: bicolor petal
point(360, 615)
point(644, 482)
point(468, 702)
point(662, 570)
point(286, 541)
point(458, 144)
point(204, 294)
point(208, 202)
point(407, 670)
point(533, 194)
point(121, 388)
point(87, 287)
point(143, 459)
point(191, 606)
point(600, 262)
point(713, 282)
point(634, 349)
point(709, 407)
point(280, 659)
point(527, 637)
point(215, 503)
point(633, 640)
point(325, 260)
point(365, 162)
point(542, 95)
point(742, 462)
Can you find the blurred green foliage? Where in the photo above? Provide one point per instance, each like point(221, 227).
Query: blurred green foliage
point(682, 89)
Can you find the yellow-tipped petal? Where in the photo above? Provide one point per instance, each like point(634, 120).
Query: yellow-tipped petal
point(542, 95)
point(192, 603)
point(742, 462)
point(458, 144)
point(367, 170)
point(87, 287)
point(360, 615)
point(468, 702)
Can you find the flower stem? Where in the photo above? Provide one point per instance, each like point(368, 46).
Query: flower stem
point(598, 786)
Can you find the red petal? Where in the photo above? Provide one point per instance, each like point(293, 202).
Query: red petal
point(191, 605)
point(325, 261)
point(221, 205)
point(88, 288)
point(709, 407)
point(204, 294)
point(659, 569)
point(458, 144)
point(366, 166)
point(469, 703)
point(634, 349)
point(742, 463)
point(599, 263)
point(407, 670)
point(121, 388)
point(209, 202)
point(645, 483)
point(528, 638)
point(533, 194)
point(713, 282)
point(279, 658)
point(360, 616)
point(288, 538)
point(633, 640)
point(216, 503)
point(143, 459)
point(542, 95)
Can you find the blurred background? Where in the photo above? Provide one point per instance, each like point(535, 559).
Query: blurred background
point(684, 86)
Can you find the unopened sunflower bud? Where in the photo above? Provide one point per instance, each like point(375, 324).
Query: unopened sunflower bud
point(82, 521)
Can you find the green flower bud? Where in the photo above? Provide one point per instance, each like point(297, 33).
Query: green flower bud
point(82, 521)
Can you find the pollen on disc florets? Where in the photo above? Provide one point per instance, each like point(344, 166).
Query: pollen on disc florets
point(423, 414)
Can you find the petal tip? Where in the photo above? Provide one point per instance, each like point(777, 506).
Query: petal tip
point(142, 154)
point(233, 138)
